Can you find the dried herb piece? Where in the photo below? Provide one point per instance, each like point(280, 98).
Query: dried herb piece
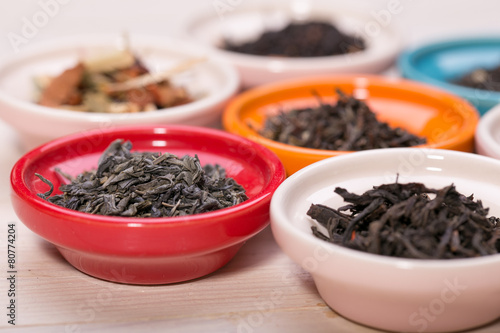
point(63, 89)
point(410, 221)
point(348, 125)
point(143, 184)
point(308, 39)
point(481, 78)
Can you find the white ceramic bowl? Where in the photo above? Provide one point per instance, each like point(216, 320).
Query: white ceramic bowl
point(396, 294)
point(487, 137)
point(244, 23)
point(211, 83)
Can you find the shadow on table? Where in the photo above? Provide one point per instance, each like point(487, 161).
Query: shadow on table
point(259, 256)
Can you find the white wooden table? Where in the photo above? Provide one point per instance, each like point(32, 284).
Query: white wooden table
point(261, 289)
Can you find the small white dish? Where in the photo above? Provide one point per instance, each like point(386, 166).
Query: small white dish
point(487, 138)
point(395, 294)
point(245, 23)
point(212, 83)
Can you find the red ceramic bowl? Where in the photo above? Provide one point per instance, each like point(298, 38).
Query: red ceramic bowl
point(148, 250)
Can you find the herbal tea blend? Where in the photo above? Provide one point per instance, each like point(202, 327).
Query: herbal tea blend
point(347, 125)
point(114, 83)
point(309, 39)
point(484, 79)
point(143, 184)
point(410, 221)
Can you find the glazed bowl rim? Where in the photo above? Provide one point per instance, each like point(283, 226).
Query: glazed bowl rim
point(407, 58)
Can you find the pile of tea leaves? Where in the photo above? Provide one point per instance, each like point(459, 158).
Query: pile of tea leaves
point(481, 78)
point(144, 184)
point(117, 82)
point(410, 221)
point(348, 125)
point(300, 39)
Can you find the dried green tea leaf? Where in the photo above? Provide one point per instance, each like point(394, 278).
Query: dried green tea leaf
point(144, 184)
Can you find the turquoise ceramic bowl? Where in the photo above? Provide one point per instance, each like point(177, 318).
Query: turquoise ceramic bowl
point(442, 62)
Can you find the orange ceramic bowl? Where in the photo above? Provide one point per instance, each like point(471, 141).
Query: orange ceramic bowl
point(447, 121)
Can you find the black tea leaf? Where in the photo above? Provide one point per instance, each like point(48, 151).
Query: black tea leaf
point(300, 39)
point(410, 221)
point(348, 125)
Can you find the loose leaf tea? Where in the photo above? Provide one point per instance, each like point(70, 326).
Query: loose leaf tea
point(484, 79)
point(143, 184)
point(114, 83)
point(347, 125)
point(410, 221)
point(309, 39)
